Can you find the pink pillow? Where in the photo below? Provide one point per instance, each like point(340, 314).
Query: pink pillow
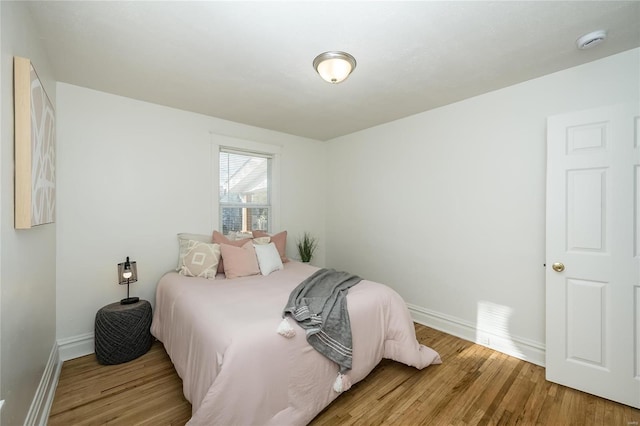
point(240, 261)
point(219, 238)
point(280, 240)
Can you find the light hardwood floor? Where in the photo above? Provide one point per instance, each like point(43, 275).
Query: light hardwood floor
point(473, 386)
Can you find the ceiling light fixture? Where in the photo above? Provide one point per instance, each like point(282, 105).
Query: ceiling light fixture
point(594, 38)
point(334, 67)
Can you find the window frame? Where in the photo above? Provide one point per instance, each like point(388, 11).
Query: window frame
point(222, 143)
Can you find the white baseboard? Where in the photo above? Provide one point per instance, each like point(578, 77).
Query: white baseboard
point(63, 350)
point(76, 346)
point(518, 347)
point(41, 405)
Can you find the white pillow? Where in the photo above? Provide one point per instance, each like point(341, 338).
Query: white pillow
point(268, 258)
point(236, 236)
point(262, 240)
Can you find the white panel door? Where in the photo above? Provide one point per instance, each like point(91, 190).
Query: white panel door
point(593, 232)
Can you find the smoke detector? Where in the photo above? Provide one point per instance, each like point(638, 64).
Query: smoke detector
point(594, 38)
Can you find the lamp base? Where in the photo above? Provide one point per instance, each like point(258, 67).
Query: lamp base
point(129, 300)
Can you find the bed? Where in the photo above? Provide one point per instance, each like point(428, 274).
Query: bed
point(236, 369)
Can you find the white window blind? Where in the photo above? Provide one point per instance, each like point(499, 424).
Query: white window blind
point(245, 190)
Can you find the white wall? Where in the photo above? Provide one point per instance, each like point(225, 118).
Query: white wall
point(448, 206)
point(27, 262)
point(131, 175)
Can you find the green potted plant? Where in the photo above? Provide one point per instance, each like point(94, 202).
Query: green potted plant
point(307, 245)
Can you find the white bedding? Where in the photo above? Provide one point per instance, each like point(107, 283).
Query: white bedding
point(221, 337)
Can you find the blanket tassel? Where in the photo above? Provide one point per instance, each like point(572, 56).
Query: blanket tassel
point(342, 383)
point(285, 329)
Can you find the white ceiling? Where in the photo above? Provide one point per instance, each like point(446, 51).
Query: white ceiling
point(250, 62)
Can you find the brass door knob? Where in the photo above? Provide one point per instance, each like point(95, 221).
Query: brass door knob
point(558, 267)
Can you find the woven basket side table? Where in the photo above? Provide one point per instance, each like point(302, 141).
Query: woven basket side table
point(122, 332)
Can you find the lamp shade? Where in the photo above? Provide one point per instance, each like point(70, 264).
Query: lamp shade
point(127, 272)
point(334, 67)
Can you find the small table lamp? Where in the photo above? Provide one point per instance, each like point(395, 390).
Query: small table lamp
point(127, 274)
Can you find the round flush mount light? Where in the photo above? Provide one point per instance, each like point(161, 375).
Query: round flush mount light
point(594, 38)
point(334, 67)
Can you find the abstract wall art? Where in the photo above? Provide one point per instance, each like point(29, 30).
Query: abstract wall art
point(35, 177)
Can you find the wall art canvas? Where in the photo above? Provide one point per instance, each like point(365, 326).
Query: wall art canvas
point(35, 177)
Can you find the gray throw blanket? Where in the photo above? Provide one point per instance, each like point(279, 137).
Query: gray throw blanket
point(319, 305)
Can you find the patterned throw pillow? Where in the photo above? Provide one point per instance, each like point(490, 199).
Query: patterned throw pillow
point(201, 260)
point(183, 242)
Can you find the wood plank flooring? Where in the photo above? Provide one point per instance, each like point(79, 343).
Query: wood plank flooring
point(474, 386)
point(145, 391)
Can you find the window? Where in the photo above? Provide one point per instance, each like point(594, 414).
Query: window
point(245, 191)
